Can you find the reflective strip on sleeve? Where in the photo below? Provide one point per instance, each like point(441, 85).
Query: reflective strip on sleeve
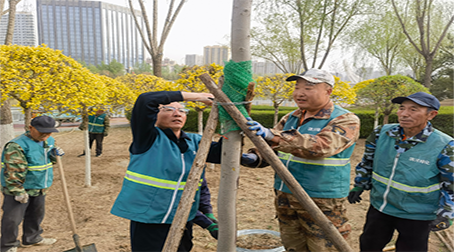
point(406, 188)
point(155, 182)
point(323, 162)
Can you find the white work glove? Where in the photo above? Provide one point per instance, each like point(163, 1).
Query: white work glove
point(23, 198)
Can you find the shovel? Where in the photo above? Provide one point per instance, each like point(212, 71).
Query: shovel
point(78, 248)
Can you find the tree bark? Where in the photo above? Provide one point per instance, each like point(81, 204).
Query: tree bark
point(231, 147)
point(6, 124)
point(199, 121)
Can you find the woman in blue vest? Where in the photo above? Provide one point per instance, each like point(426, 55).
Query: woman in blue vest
point(409, 169)
point(315, 143)
point(161, 156)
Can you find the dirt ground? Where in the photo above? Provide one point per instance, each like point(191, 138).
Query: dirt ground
point(91, 205)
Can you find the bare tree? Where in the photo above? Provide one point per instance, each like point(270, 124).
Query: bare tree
point(150, 35)
point(427, 35)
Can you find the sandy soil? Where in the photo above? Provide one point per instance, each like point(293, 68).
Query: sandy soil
point(91, 205)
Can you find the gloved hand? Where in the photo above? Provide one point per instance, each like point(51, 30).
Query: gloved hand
point(106, 134)
point(57, 151)
point(248, 158)
point(214, 230)
point(211, 217)
point(23, 198)
point(261, 131)
point(440, 223)
point(354, 195)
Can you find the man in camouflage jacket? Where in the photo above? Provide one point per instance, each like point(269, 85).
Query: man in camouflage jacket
point(409, 168)
point(315, 143)
point(26, 176)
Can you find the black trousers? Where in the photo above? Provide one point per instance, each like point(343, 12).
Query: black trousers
point(152, 237)
point(32, 213)
point(379, 229)
point(99, 138)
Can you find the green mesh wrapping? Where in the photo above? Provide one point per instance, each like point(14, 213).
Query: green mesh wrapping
point(237, 76)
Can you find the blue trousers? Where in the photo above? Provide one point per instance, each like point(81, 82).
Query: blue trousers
point(32, 213)
point(379, 229)
point(152, 237)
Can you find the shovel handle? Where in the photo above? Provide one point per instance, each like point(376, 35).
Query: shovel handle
point(66, 195)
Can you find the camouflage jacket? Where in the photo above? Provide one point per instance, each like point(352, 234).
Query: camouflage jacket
point(339, 134)
point(445, 163)
point(16, 168)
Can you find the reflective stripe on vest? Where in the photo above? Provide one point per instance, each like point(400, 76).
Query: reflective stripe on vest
point(36, 167)
point(155, 182)
point(323, 162)
point(405, 188)
point(96, 124)
point(40, 167)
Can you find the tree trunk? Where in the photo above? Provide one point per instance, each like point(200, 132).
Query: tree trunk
point(11, 20)
point(376, 117)
point(6, 120)
point(27, 117)
point(6, 124)
point(157, 65)
point(86, 147)
point(428, 72)
point(385, 119)
point(276, 112)
point(200, 121)
point(231, 150)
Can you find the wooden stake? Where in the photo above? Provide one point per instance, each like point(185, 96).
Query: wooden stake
point(192, 184)
point(328, 227)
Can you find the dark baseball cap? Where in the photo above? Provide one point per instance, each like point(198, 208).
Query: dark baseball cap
point(44, 124)
point(421, 98)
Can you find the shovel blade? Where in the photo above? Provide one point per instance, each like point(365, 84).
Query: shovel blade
point(85, 248)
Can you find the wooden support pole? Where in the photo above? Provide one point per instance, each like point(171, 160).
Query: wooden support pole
point(192, 184)
point(327, 226)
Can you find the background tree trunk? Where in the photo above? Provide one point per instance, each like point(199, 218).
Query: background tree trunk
point(6, 119)
point(231, 150)
point(6, 124)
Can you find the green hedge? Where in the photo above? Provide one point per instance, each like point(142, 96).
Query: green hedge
point(443, 121)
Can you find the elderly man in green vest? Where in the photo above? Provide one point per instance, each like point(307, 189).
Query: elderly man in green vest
point(98, 128)
point(315, 143)
point(409, 169)
point(26, 176)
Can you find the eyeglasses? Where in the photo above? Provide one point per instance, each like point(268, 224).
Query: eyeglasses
point(169, 109)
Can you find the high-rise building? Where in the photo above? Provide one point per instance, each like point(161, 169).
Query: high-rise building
point(215, 54)
point(193, 59)
point(24, 29)
point(91, 31)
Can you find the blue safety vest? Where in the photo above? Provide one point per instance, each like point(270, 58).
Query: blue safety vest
point(407, 185)
point(155, 180)
point(96, 123)
point(40, 170)
point(320, 178)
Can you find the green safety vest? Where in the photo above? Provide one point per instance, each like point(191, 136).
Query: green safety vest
point(40, 169)
point(406, 185)
point(320, 178)
point(96, 123)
